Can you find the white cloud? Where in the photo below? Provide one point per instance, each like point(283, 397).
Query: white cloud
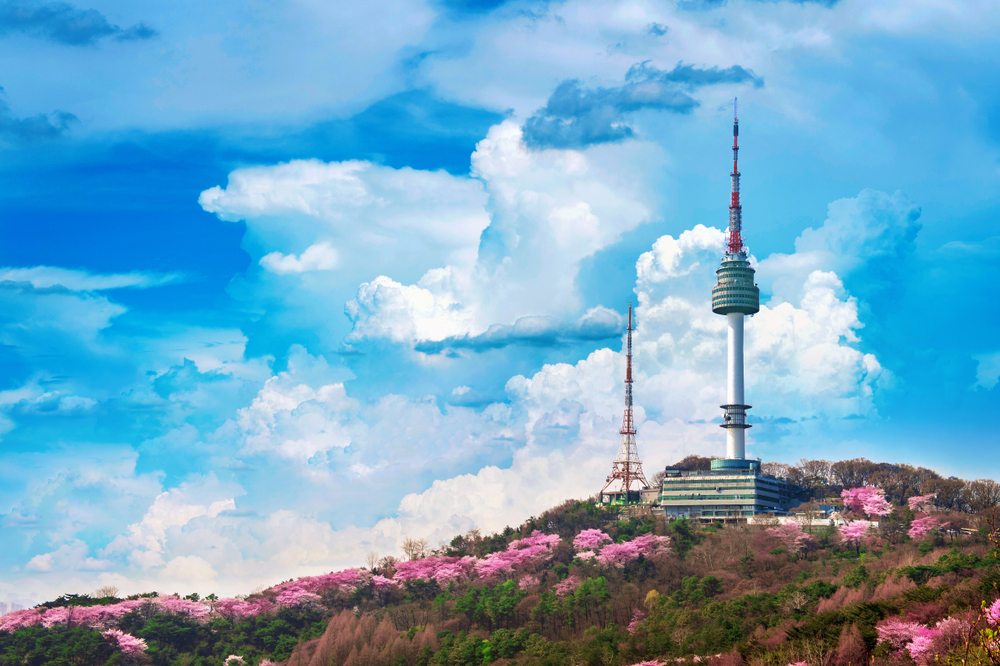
point(428, 310)
point(871, 226)
point(550, 209)
point(317, 257)
point(376, 216)
point(46, 277)
point(664, 261)
point(72, 556)
point(145, 540)
point(189, 570)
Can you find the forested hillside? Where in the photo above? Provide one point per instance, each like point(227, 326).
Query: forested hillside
point(584, 584)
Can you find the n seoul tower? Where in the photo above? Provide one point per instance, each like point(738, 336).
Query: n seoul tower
point(735, 296)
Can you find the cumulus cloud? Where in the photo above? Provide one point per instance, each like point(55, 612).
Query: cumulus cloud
point(550, 209)
point(376, 210)
point(73, 556)
point(317, 257)
point(64, 23)
point(577, 117)
point(145, 540)
point(871, 228)
point(428, 310)
point(324, 433)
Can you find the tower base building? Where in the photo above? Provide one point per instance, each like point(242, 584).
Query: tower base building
point(726, 492)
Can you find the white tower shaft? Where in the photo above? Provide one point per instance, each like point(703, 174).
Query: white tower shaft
point(735, 437)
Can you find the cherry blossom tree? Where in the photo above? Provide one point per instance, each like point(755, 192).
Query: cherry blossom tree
point(922, 503)
point(535, 548)
point(567, 586)
point(868, 500)
point(619, 554)
point(992, 614)
point(527, 581)
point(855, 532)
point(441, 569)
point(28, 617)
point(383, 584)
point(127, 644)
point(590, 540)
point(637, 617)
point(791, 536)
point(921, 526)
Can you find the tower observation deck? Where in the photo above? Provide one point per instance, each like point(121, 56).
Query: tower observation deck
point(735, 296)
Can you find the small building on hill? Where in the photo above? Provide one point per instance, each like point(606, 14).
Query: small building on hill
point(725, 492)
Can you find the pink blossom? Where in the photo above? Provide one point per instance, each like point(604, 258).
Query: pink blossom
point(799, 663)
point(176, 606)
point(441, 569)
point(868, 500)
point(126, 643)
point(567, 586)
point(637, 617)
point(854, 531)
point(791, 536)
point(921, 526)
point(235, 609)
point(381, 583)
point(920, 647)
point(234, 659)
point(586, 555)
point(589, 540)
point(536, 548)
point(651, 663)
point(922, 502)
point(915, 639)
point(528, 581)
point(537, 538)
point(346, 581)
point(29, 617)
point(993, 614)
point(620, 554)
point(294, 597)
point(57, 616)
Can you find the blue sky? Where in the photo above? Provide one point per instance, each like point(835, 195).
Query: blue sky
point(284, 283)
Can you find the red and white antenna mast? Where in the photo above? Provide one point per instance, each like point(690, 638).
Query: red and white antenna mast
point(626, 470)
point(735, 245)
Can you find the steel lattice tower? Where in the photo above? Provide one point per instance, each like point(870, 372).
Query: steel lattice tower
point(626, 470)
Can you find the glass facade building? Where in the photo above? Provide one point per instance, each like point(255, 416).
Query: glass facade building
point(722, 494)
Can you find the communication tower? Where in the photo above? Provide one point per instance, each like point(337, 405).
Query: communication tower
point(626, 470)
point(735, 296)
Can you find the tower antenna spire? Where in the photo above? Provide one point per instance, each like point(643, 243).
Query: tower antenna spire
point(626, 470)
point(735, 244)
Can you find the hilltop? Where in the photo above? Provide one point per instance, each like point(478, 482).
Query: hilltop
point(584, 584)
